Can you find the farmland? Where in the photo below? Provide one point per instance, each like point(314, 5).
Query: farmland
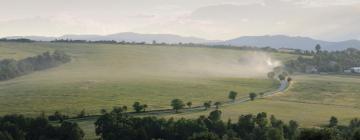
point(101, 76)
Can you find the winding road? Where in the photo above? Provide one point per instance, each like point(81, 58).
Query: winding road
point(282, 87)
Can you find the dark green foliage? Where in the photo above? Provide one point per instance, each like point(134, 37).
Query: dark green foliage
point(82, 114)
point(324, 61)
point(252, 96)
point(281, 77)
point(319, 134)
point(207, 104)
point(121, 126)
point(189, 104)
point(18, 127)
point(177, 104)
point(333, 121)
point(215, 115)
point(57, 116)
point(217, 105)
point(20, 40)
point(10, 68)
point(232, 95)
point(204, 136)
point(138, 107)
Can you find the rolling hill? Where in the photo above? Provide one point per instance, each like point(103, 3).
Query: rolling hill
point(282, 41)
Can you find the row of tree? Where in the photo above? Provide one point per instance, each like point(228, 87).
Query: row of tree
point(11, 68)
point(18, 127)
point(117, 125)
point(325, 61)
point(21, 40)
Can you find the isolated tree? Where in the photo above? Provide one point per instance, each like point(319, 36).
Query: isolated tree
point(252, 96)
point(189, 104)
point(271, 75)
point(318, 48)
point(333, 121)
point(262, 94)
point(103, 111)
point(217, 104)
point(281, 77)
point(289, 79)
point(215, 115)
point(144, 106)
point(207, 105)
point(177, 104)
point(137, 107)
point(232, 95)
point(82, 114)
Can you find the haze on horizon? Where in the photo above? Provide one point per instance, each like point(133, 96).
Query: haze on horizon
point(331, 20)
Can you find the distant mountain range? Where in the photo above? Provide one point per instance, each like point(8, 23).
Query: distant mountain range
point(282, 41)
point(275, 41)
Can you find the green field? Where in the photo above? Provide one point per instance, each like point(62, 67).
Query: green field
point(104, 75)
point(101, 76)
point(311, 100)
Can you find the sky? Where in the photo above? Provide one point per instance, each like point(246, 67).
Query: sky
point(331, 20)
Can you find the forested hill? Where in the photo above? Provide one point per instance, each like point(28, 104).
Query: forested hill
point(10, 68)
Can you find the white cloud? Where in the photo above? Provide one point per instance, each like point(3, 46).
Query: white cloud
point(213, 19)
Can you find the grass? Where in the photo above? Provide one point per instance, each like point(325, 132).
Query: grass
point(105, 75)
point(311, 100)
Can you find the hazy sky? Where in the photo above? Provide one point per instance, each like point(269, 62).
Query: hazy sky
point(211, 19)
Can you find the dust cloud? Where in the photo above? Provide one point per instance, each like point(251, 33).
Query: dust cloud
point(198, 64)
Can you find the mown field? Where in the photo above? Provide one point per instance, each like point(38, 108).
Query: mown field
point(311, 100)
point(101, 76)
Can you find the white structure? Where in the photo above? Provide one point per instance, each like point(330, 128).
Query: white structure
point(354, 70)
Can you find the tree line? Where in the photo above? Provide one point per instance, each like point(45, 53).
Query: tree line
point(118, 125)
point(11, 68)
point(325, 61)
point(21, 40)
point(18, 127)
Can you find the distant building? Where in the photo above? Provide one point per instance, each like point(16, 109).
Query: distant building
point(286, 50)
point(353, 70)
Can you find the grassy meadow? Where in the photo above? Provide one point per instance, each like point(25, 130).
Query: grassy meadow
point(101, 76)
point(311, 100)
point(106, 75)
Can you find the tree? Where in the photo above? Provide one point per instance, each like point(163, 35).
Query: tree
point(177, 104)
point(82, 114)
point(217, 104)
point(289, 79)
point(275, 134)
point(232, 95)
point(356, 134)
point(318, 48)
point(281, 77)
point(262, 94)
point(189, 104)
point(204, 136)
point(138, 107)
point(215, 115)
point(271, 75)
point(207, 105)
point(252, 96)
point(333, 121)
point(144, 106)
